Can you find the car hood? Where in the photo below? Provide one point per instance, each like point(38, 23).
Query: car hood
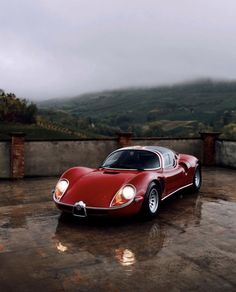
point(97, 188)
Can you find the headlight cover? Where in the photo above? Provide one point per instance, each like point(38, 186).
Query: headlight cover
point(124, 196)
point(61, 187)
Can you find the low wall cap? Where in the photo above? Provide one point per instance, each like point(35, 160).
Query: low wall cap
point(19, 134)
point(124, 133)
point(210, 133)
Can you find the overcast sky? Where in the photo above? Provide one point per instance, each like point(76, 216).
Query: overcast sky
point(55, 48)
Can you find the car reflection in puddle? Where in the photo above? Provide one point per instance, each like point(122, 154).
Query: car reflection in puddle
point(128, 241)
point(125, 241)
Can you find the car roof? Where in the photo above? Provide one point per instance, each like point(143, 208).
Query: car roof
point(159, 149)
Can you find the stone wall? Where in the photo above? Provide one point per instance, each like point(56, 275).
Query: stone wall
point(226, 153)
point(49, 158)
point(5, 159)
point(52, 158)
point(17, 152)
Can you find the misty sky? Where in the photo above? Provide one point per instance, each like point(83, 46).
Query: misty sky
point(55, 48)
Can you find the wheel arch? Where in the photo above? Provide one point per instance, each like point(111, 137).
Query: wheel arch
point(198, 164)
point(160, 184)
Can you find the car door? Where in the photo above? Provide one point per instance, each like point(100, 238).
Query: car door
point(173, 173)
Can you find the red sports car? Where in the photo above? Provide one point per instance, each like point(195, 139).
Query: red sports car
point(130, 180)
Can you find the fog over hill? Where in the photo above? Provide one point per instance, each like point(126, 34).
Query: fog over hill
point(182, 109)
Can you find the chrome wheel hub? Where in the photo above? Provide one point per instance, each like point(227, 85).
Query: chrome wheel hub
point(153, 200)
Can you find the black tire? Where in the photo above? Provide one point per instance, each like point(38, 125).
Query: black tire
point(197, 179)
point(151, 202)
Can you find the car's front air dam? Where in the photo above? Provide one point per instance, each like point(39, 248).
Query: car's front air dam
point(129, 210)
point(132, 209)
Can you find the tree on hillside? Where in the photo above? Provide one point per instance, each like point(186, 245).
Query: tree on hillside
point(13, 109)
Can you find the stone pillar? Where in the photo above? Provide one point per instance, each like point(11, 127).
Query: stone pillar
point(124, 139)
point(209, 147)
point(17, 155)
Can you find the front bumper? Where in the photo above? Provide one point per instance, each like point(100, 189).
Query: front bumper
point(81, 213)
point(79, 209)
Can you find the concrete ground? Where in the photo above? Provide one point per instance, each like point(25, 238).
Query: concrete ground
point(190, 246)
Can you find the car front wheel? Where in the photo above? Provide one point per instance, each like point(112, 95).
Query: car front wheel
point(151, 203)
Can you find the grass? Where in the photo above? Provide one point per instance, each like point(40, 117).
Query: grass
point(32, 132)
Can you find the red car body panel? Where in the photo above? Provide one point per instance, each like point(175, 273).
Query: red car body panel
point(97, 187)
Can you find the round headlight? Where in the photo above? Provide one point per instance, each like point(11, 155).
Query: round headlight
point(125, 195)
point(62, 185)
point(128, 192)
point(61, 188)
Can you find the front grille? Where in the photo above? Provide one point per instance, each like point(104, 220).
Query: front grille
point(90, 212)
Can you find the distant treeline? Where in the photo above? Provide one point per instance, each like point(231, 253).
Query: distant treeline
point(16, 110)
point(181, 110)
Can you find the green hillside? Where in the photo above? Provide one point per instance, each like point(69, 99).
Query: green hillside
point(179, 110)
point(20, 115)
point(32, 132)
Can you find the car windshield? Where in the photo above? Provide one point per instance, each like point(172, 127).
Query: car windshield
point(132, 159)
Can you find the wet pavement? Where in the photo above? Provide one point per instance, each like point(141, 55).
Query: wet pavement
point(190, 246)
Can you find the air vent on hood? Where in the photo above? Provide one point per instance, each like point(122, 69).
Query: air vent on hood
point(110, 172)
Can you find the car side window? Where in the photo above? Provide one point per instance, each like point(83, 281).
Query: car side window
point(169, 160)
point(166, 160)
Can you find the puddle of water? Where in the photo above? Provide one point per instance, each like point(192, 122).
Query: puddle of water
point(192, 239)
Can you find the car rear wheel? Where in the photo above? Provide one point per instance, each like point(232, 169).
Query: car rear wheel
point(197, 179)
point(151, 202)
